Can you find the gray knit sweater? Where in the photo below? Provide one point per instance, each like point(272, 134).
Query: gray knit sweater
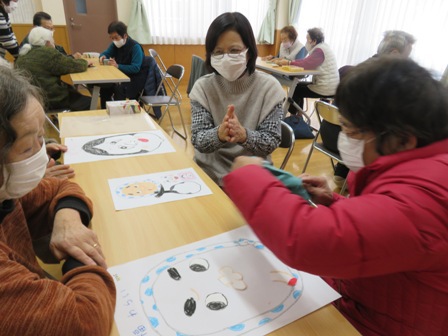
point(257, 99)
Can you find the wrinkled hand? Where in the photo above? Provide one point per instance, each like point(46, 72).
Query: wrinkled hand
point(77, 55)
point(61, 171)
point(318, 188)
point(71, 238)
point(223, 130)
point(267, 58)
point(113, 62)
point(237, 133)
point(242, 161)
point(54, 148)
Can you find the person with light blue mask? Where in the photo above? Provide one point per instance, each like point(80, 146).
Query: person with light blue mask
point(236, 110)
point(384, 248)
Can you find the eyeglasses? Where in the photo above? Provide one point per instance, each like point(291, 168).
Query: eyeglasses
point(233, 53)
point(350, 131)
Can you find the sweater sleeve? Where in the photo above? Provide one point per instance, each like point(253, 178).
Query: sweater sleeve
point(60, 64)
point(82, 303)
point(136, 61)
point(41, 205)
point(312, 61)
point(367, 235)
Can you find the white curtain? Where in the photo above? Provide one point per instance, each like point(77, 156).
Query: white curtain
point(354, 28)
point(187, 21)
point(24, 12)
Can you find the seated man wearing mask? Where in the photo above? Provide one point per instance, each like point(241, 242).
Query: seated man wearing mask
point(127, 55)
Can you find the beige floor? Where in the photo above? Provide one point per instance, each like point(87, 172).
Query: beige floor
point(319, 163)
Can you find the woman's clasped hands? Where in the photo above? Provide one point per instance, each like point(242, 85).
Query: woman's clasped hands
point(230, 129)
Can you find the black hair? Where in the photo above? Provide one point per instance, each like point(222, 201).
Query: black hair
point(316, 34)
point(117, 27)
point(394, 97)
point(231, 21)
point(39, 16)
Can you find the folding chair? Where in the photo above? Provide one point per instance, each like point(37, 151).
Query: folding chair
point(198, 69)
point(52, 116)
point(330, 114)
point(288, 141)
point(176, 73)
point(163, 71)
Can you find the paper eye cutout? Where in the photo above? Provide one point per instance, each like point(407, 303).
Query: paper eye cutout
point(199, 265)
point(216, 301)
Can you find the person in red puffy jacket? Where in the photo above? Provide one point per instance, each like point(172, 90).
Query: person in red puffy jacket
point(385, 248)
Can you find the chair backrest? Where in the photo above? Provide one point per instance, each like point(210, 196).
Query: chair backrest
point(328, 116)
point(158, 59)
point(327, 112)
point(176, 71)
point(287, 141)
point(198, 69)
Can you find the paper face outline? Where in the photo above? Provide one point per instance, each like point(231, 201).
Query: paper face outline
point(124, 144)
point(156, 280)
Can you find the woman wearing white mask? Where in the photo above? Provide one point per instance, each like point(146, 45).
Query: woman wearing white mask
point(47, 218)
point(320, 57)
point(127, 55)
point(8, 41)
point(236, 110)
point(290, 47)
point(385, 249)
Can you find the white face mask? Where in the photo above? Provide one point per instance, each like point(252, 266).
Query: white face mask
point(231, 68)
point(119, 43)
point(286, 45)
point(24, 175)
point(308, 46)
point(351, 151)
point(11, 8)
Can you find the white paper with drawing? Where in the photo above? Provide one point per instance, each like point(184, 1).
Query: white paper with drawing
point(143, 190)
point(113, 146)
point(230, 284)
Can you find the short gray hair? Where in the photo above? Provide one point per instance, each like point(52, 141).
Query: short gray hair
point(395, 40)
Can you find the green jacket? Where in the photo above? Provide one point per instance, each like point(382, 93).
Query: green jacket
point(46, 65)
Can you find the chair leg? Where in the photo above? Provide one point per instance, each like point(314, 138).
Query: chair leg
point(308, 158)
point(344, 186)
point(167, 111)
point(52, 124)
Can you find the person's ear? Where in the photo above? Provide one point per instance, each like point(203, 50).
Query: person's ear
point(410, 142)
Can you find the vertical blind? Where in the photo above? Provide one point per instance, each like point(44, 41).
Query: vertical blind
point(354, 28)
point(187, 21)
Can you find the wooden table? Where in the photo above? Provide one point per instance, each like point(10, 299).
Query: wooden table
point(98, 74)
point(124, 235)
point(287, 78)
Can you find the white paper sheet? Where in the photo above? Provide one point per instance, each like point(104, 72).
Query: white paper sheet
point(143, 190)
point(75, 126)
point(114, 146)
point(230, 284)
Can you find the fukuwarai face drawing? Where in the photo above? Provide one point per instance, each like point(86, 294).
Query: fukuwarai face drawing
point(141, 189)
point(124, 144)
point(217, 289)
